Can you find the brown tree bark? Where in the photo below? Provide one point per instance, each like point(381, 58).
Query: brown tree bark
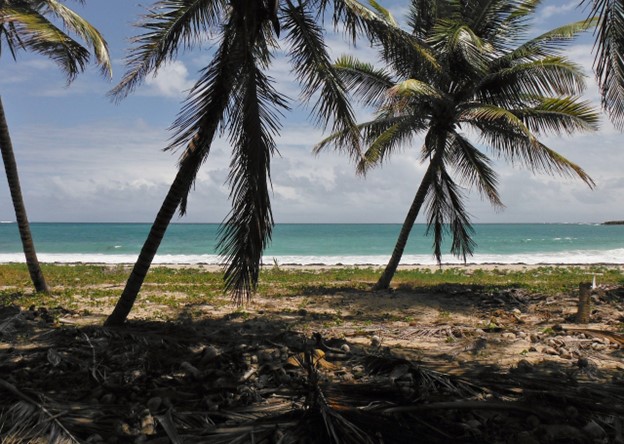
point(176, 193)
point(384, 281)
point(10, 167)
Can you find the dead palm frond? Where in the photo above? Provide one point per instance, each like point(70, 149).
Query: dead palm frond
point(28, 420)
point(11, 316)
point(426, 383)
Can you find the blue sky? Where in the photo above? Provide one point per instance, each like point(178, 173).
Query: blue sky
point(83, 158)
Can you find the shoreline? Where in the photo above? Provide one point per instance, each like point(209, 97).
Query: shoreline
point(489, 266)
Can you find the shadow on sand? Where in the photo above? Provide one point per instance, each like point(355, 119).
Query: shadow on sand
point(238, 380)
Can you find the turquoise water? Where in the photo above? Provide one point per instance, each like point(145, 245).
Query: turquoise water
point(320, 243)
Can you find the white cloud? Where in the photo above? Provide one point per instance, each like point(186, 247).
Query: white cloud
point(115, 171)
point(550, 11)
point(172, 80)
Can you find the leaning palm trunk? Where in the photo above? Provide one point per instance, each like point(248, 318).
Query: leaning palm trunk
point(384, 281)
point(191, 160)
point(10, 167)
point(177, 191)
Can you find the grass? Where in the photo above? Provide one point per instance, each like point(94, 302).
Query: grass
point(100, 285)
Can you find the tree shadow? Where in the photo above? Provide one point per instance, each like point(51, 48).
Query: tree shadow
point(450, 298)
point(252, 379)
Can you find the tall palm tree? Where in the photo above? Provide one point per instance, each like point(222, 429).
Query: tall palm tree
point(235, 96)
point(609, 61)
point(28, 25)
point(463, 70)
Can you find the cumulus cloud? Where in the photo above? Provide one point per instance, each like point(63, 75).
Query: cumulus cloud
point(172, 81)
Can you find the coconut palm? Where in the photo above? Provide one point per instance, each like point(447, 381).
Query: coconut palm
point(29, 25)
point(462, 72)
point(608, 64)
point(235, 96)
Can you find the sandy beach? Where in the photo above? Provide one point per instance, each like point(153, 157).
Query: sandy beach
point(319, 267)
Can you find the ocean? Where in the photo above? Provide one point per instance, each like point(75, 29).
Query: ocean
point(329, 244)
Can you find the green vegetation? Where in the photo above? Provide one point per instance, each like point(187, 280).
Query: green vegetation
point(88, 287)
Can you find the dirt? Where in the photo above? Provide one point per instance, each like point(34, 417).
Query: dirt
point(450, 363)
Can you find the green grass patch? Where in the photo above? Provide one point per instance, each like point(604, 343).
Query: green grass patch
point(71, 285)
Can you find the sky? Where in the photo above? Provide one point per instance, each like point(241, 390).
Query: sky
point(83, 158)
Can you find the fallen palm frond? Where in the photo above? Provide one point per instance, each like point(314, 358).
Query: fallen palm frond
point(425, 382)
point(316, 358)
point(339, 429)
point(9, 318)
point(27, 420)
point(616, 338)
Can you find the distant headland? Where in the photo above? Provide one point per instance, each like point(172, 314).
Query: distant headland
point(613, 222)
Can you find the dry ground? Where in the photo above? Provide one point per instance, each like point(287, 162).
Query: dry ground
point(450, 363)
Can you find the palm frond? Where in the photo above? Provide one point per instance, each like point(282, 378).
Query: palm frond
point(510, 138)
point(247, 230)
point(363, 81)
point(515, 24)
point(171, 25)
point(207, 101)
point(385, 136)
point(9, 34)
point(459, 44)
point(492, 19)
point(560, 115)
point(345, 14)
point(548, 44)
point(28, 420)
point(547, 76)
point(556, 163)
point(31, 30)
point(475, 168)
point(609, 62)
point(204, 109)
point(406, 53)
point(423, 14)
point(445, 204)
point(418, 89)
point(84, 30)
point(314, 70)
point(385, 13)
point(494, 117)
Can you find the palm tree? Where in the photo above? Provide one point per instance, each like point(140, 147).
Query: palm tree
point(234, 95)
point(463, 70)
point(608, 63)
point(24, 25)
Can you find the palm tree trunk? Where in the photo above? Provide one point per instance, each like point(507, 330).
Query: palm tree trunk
point(384, 281)
point(176, 193)
point(10, 167)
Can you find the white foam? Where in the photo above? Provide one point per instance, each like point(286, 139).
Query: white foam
point(615, 256)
